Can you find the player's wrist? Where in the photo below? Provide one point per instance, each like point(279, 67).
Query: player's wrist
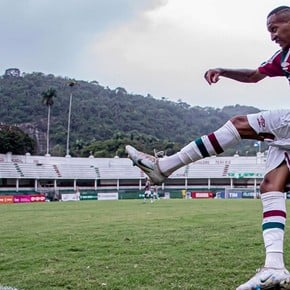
point(222, 72)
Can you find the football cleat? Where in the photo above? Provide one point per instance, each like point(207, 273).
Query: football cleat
point(147, 163)
point(268, 278)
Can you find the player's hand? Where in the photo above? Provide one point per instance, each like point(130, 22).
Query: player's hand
point(212, 76)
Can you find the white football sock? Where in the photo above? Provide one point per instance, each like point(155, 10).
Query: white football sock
point(274, 219)
point(207, 145)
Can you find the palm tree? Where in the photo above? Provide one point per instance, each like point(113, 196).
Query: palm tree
point(47, 99)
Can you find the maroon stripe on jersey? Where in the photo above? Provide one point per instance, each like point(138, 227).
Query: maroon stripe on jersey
point(272, 213)
point(214, 142)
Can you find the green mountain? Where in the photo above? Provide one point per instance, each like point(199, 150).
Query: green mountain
point(103, 120)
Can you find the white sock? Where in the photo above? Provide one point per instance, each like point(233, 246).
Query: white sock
point(274, 220)
point(207, 145)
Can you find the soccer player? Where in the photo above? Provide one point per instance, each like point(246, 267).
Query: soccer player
point(148, 193)
point(155, 192)
point(272, 126)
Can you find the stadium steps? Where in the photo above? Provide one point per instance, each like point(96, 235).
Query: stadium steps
point(226, 169)
point(57, 170)
point(97, 171)
point(18, 169)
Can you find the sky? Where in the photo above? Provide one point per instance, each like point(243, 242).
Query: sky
point(157, 47)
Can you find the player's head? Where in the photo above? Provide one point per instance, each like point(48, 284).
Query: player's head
point(278, 10)
point(278, 24)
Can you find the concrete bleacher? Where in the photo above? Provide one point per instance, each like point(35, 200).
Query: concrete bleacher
point(48, 171)
point(37, 171)
point(207, 170)
point(118, 168)
point(9, 170)
point(77, 171)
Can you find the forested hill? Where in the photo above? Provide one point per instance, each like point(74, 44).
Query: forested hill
point(104, 119)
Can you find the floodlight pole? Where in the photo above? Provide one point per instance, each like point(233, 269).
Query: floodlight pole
point(47, 132)
point(71, 84)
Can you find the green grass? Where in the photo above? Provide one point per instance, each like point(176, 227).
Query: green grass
point(171, 244)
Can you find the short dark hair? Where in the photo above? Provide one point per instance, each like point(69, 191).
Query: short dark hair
point(279, 10)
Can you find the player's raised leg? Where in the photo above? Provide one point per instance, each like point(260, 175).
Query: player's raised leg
point(158, 169)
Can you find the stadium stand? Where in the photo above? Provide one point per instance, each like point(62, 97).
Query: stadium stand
point(37, 173)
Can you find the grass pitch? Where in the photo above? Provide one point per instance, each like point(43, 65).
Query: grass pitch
point(171, 244)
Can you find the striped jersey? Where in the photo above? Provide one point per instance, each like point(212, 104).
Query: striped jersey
point(277, 65)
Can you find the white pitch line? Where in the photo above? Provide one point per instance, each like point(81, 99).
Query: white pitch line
point(7, 288)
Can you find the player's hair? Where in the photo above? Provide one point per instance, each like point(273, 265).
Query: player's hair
point(280, 10)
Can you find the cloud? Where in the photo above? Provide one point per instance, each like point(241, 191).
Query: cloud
point(158, 47)
point(166, 51)
point(50, 36)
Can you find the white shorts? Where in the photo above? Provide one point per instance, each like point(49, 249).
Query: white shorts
point(147, 193)
point(276, 122)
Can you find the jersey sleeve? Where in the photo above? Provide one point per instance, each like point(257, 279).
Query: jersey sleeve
point(272, 67)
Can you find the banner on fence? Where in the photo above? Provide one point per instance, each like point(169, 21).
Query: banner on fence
point(70, 196)
point(6, 199)
point(107, 195)
point(22, 198)
point(201, 194)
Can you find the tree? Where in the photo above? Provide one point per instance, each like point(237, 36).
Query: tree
point(14, 140)
point(47, 99)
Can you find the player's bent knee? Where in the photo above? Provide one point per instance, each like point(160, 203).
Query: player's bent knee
point(267, 186)
point(240, 122)
point(243, 127)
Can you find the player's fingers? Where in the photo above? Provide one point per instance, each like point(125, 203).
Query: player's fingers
point(211, 76)
point(215, 77)
point(208, 77)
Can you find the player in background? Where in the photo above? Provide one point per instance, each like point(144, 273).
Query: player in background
point(148, 192)
point(155, 192)
point(272, 126)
